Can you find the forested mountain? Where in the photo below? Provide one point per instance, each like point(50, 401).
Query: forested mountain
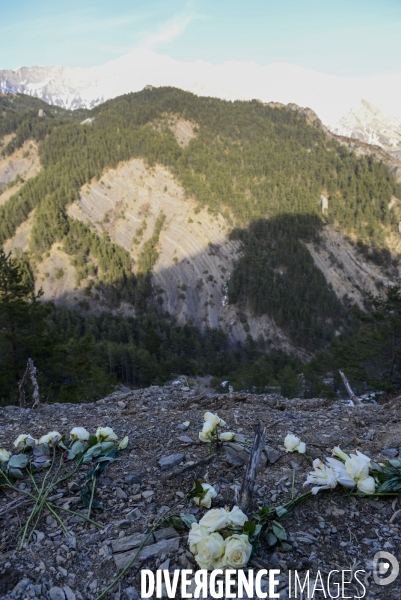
point(182, 215)
point(365, 108)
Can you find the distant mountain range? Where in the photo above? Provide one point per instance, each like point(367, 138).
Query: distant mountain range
point(365, 108)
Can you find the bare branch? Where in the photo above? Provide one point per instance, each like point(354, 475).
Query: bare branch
point(354, 399)
point(31, 372)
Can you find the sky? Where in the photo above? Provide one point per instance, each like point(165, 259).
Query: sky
point(347, 38)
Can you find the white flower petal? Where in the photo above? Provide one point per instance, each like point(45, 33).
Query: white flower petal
point(236, 517)
point(79, 433)
point(4, 455)
point(367, 486)
point(214, 519)
point(105, 434)
point(291, 442)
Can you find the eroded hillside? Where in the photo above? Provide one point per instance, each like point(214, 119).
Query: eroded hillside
point(349, 273)
point(195, 257)
point(167, 188)
point(21, 165)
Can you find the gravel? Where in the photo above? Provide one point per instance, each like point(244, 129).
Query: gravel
point(329, 532)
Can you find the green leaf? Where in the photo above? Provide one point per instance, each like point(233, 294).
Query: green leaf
point(279, 530)
point(375, 466)
point(395, 462)
point(100, 465)
point(86, 497)
point(19, 461)
point(41, 449)
point(15, 473)
point(255, 547)
point(249, 528)
point(41, 455)
point(92, 441)
point(285, 547)
point(271, 538)
point(281, 511)
point(41, 464)
point(197, 491)
point(101, 459)
point(76, 451)
point(107, 446)
point(103, 448)
point(263, 513)
point(77, 447)
point(177, 523)
point(187, 519)
point(391, 485)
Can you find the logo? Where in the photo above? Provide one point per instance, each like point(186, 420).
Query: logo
point(385, 568)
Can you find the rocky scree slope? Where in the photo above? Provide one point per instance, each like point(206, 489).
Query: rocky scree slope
point(329, 532)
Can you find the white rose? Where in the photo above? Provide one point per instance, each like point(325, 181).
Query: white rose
point(237, 552)
point(105, 434)
point(293, 443)
point(367, 486)
point(214, 519)
point(357, 467)
point(4, 455)
point(301, 448)
point(228, 436)
point(207, 432)
point(50, 438)
point(195, 535)
point(25, 440)
point(209, 550)
point(236, 517)
point(79, 433)
point(208, 497)
point(213, 419)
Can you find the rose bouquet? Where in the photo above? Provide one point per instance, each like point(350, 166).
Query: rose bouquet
point(52, 452)
point(218, 541)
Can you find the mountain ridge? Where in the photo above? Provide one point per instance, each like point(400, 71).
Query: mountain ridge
point(336, 100)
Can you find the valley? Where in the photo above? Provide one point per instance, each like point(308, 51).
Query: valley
point(164, 205)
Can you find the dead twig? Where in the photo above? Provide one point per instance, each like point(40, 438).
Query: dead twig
point(193, 466)
point(395, 515)
point(15, 505)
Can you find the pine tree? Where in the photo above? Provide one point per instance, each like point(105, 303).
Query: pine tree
point(22, 322)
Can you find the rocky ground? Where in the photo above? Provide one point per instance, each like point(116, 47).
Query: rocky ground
point(329, 532)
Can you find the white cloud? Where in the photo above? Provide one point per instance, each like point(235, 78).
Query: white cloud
point(171, 29)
